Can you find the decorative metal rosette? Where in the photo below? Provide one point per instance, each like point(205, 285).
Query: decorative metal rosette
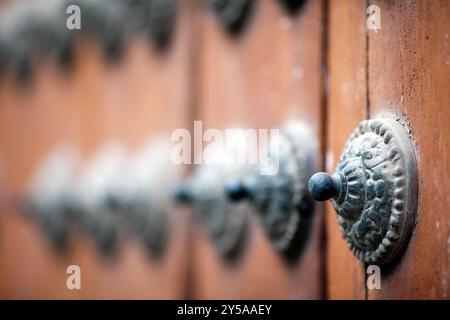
point(280, 194)
point(149, 176)
point(49, 199)
point(103, 21)
point(102, 196)
point(224, 221)
point(232, 14)
point(374, 190)
point(154, 18)
point(31, 30)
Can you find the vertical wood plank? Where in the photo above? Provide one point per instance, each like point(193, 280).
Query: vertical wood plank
point(409, 64)
point(33, 119)
point(346, 108)
point(145, 96)
point(267, 75)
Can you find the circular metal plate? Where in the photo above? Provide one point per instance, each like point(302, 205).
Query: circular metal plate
point(150, 175)
point(49, 196)
point(224, 221)
point(377, 202)
point(101, 192)
point(282, 198)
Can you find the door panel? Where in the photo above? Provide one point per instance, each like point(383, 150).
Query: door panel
point(345, 109)
point(146, 94)
point(398, 71)
point(321, 66)
point(132, 107)
point(409, 79)
point(268, 74)
point(33, 121)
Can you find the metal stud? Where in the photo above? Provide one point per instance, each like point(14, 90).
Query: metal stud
point(154, 18)
point(280, 197)
point(49, 198)
point(224, 222)
point(232, 14)
point(373, 190)
point(32, 30)
point(101, 192)
point(104, 21)
point(150, 175)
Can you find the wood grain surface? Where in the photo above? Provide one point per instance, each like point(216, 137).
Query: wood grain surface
point(34, 119)
point(409, 64)
point(320, 66)
point(267, 75)
point(346, 107)
point(146, 94)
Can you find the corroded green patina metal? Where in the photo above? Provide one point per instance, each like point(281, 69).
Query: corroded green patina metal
point(374, 190)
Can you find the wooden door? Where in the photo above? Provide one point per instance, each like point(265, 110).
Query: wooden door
point(346, 107)
point(268, 74)
point(321, 65)
point(35, 118)
point(400, 71)
point(408, 78)
point(144, 95)
point(142, 98)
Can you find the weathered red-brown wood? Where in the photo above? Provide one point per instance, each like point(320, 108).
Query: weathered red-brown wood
point(34, 119)
point(144, 95)
point(346, 107)
point(271, 73)
point(409, 64)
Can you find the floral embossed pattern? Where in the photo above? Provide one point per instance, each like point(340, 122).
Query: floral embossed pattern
point(377, 198)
